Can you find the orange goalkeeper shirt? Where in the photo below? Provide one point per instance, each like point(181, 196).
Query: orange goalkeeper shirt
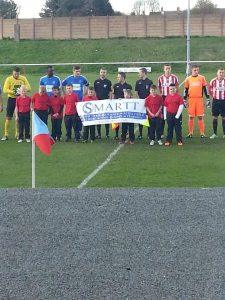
point(195, 85)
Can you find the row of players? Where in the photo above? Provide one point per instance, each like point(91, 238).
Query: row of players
point(195, 86)
point(60, 107)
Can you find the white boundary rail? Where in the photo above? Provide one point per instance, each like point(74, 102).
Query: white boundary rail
point(115, 63)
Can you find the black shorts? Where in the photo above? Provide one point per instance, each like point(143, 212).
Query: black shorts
point(218, 108)
point(11, 104)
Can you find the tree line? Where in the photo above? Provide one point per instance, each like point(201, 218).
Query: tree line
point(63, 8)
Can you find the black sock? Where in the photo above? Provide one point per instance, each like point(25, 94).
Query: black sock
point(223, 124)
point(215, 124)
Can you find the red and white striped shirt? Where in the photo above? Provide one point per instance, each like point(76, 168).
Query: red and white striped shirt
point(164, 83)
point(217, 88)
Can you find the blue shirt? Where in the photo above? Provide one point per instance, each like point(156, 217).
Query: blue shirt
point(49, 82)
point(78, 83)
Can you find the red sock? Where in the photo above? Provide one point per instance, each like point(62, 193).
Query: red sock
point(191, 125)
point(201, 126)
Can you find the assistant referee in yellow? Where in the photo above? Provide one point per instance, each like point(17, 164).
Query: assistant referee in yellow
point(12, 89)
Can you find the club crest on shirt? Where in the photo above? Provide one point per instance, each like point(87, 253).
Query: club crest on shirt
point(195, 83)
point(166, 84)
point(220, 88)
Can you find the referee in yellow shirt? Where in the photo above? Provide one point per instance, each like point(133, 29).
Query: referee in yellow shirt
point(11, 88)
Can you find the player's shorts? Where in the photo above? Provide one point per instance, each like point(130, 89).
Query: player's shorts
point(196, 107)
point(11, 104)
point(218, 108)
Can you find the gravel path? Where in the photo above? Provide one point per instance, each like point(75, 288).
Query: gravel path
point(112, 244)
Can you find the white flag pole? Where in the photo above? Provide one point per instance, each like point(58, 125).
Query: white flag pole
point(33, 153)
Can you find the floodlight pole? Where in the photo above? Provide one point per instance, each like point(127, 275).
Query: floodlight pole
point(188, 39)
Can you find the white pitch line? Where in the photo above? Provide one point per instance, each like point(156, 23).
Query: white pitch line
point(182, 83)
point(102, 165)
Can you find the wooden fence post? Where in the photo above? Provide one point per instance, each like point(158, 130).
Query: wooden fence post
point(34, 29)
point(89, 27)
point(17, 31)
point(183, 20)
point(1, 28)
point(145, 26)
point(52, 28)
point(222, 24)
point(71, 28)
point(126, 26)
point(164, 25)
point(203, 25)
point(108, 27)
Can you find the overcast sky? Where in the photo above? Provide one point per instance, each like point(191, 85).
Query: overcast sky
point(31, 8)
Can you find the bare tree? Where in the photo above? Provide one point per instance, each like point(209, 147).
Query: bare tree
point(138, 7)
point(152, 6)
point(145, 7)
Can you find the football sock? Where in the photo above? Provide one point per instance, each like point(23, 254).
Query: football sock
point(162, 127)
point(223, 124)
point(201, 126)
point(215, 124)
point(16, 129)
point(191, 126)
point(99, 130)
point(7, 125)
point(140, 130)
point(117, 131)
point(107, 129)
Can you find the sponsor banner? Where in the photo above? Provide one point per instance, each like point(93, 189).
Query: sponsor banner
point(112, 111)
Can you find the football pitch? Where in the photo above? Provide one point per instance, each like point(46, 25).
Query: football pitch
point(149, 225)
point(199, 163)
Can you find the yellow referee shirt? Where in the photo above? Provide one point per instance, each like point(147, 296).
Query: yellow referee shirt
point(12, 84)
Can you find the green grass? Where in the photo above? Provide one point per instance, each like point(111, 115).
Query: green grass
point(197, 164)
point(155, 49)
point(142, 49)
point(66, 167)
point(200, 163)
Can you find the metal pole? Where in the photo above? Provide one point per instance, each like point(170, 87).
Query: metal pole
point(188, 39)
point(33, 154)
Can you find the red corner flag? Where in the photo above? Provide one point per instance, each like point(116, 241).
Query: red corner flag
point(41, 135)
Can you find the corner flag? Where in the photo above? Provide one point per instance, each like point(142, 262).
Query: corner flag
point(41, 135)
